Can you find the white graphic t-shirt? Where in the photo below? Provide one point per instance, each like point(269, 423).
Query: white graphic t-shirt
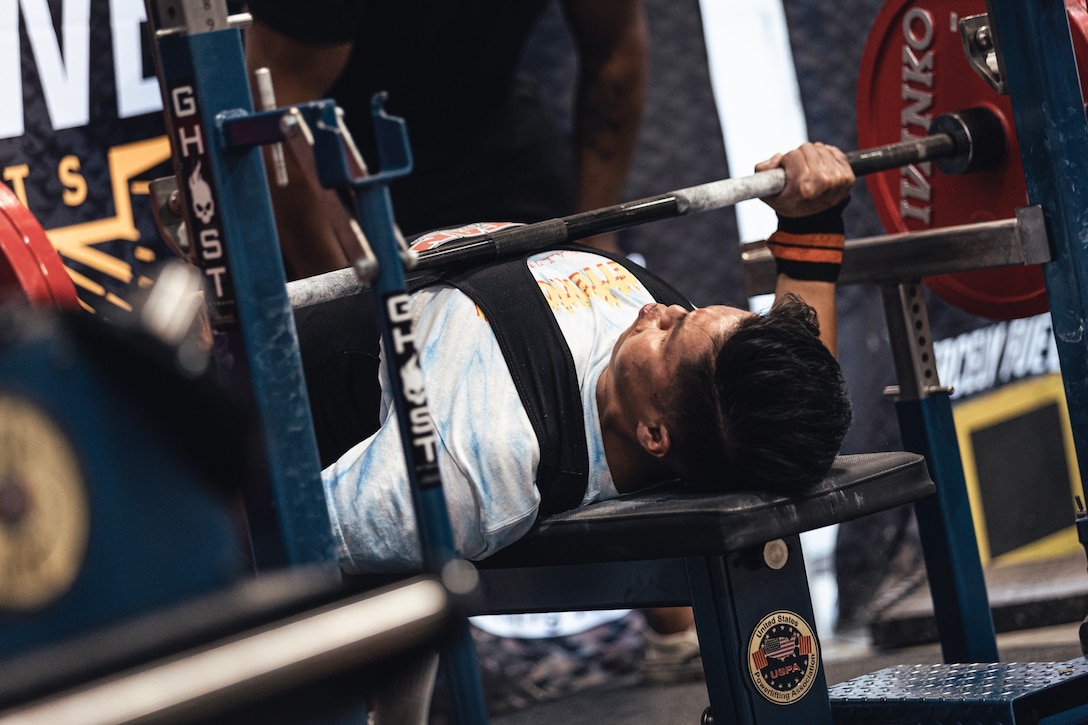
point(487, 452)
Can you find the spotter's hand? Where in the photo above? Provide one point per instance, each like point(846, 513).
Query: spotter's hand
point(818, 177)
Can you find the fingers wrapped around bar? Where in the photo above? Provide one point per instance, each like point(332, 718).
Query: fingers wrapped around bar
point(809, 240)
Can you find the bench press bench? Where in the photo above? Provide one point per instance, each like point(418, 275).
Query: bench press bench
point(671, 520)
point(735, 558)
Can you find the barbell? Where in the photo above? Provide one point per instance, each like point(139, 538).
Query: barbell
point(962, 142)
point(970, 141)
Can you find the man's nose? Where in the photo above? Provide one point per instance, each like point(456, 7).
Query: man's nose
point(670, 315)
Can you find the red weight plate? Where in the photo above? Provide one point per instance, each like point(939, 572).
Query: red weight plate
point(20, 273)
point(60, 285)
point(914, 69)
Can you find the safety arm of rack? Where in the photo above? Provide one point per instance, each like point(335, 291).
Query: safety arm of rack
point(897, 258)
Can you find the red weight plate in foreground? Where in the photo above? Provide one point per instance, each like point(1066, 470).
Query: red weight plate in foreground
point(26, 225)
point(20, 274)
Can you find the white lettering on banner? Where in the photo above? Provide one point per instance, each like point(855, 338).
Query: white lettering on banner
point(972, 359)
point(981, 359)
point(65, 77)
point(136, 94)
point(1031, 349)
point(11, 76)
point(64, 74)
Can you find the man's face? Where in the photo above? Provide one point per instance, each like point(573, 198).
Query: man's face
point(648, 352)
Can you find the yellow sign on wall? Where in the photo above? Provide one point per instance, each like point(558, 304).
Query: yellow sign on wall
point(1021, 470)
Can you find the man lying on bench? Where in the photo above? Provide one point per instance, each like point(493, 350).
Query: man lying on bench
point(617, 383)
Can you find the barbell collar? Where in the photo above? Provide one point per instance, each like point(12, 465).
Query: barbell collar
point(980, 139)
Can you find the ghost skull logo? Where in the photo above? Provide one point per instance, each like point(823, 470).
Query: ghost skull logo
point(412, 380)
point(200, 193)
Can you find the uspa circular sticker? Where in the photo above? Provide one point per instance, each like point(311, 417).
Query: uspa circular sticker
point(783, 657)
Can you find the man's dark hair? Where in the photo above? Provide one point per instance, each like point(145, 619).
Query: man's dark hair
point(768, 412)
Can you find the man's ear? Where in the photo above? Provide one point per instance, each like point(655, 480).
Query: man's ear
point(653, 438)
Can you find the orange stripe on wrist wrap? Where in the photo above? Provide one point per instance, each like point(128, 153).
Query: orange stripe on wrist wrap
point(818, 248)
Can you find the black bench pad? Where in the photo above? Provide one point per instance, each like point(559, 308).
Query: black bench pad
point(673, 521)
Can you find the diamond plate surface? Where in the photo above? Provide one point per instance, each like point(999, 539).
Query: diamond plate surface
point(952, 693)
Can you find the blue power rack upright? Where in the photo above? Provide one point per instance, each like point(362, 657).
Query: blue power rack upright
point(216, 137)
point(1040, 72)
point(228, 215)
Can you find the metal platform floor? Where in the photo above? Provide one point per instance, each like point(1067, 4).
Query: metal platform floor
point(1037, 607)
point(1037, 610)
point(845, 657)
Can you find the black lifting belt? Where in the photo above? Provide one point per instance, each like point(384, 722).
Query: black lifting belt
point(543, 369)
